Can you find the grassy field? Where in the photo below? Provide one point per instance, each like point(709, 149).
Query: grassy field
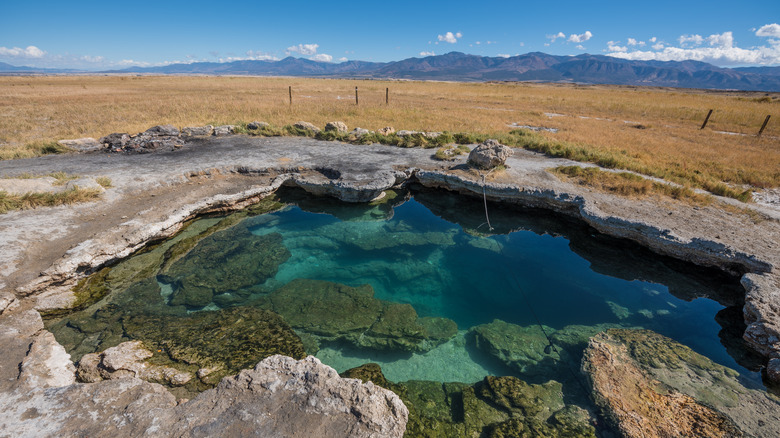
point(648, 130)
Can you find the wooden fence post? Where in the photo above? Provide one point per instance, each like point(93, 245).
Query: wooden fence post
point(387, 96)
point(290, 89)
point(356, 96)
point(706, 119)
point(766, 120)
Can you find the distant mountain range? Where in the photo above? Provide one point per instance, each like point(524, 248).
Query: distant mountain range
point(456, 66)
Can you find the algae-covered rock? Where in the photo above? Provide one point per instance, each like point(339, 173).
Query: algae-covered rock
point(226, 261)
point(337, 312)
point(232, 339)
point(525, 349)
point(494, 407)
point(649, 385)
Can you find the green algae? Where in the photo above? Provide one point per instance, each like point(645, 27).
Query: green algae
point(337, 312)
point(494, 407)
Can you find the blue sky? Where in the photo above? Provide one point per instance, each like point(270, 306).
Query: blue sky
point(112, 34)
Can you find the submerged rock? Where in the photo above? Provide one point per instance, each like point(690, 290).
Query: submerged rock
point(336, 312)
point(226, 261)
point(525, 349)
point(128, 360)
point(489, 155)
point(649, 385)
point(227, 340)
point(494, 407)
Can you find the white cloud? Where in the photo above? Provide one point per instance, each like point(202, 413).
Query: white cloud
point(322, 57)
point(343, 59)
point(92, 59)
point(653, 39)
point(427, 54)
point(552, 38)
point(581, 38)
point(304, 49)
point(260, 56)
point(690, 40)
point(580, 47)
point(721, 50)
point(632, 42)
point(503, 55)
point(769, 30)
point(725, 40)
point(449, 37)
point(478, 42)
point(16, 52)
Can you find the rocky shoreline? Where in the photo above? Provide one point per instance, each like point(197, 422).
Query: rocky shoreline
point(157, 193)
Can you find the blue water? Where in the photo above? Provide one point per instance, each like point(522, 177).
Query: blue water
point(538, 270)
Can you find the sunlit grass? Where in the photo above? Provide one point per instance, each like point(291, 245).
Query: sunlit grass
point(593, 128)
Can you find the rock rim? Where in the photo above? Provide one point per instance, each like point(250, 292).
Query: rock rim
point(242, 170)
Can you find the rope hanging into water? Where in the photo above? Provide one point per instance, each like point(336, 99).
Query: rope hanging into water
point(550, 346)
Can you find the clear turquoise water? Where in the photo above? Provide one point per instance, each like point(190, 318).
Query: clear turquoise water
point(536, 268)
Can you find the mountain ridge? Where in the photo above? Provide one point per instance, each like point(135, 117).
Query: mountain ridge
point(457, 66)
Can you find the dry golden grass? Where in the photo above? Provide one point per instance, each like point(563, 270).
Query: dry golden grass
point(670, 145)
point(9, 202)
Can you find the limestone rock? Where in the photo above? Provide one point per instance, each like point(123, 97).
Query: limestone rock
point(489, 155)
point(285, 397)
point(257, 125)
point(648, 385)
point(165, 130)
point(306, 126)
point(359, 132)
point(126, 361)
point(431, 135)
point(223, 130)
point(405, 133)
point(339, 127)
point(47, 364)
point(86, 144)
point(7, 301)
point(191, 131)
point(84, 183)
point(387, 130)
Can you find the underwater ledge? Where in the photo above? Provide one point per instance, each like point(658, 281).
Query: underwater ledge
point(53, 289)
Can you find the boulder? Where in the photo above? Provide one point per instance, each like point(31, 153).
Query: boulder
point(47, 364)
point(359, 132)
point(405, 133)
point(773, 369)
point(339, 127)
point(285, 397)
point(387, 130)
point(115, 140)
point(223, 130)
point(431, 135)
point(651, 386)
point(306, 126)
point(257, 125)
point(7, 301)
point(489, 155)
point(164, 130)
point(86, 144)
point(191, 131)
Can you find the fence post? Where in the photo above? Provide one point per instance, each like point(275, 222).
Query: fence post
point(766, 120)
point(706, 119)
point(290, 89)
point(387, 96)
point(356, 96)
